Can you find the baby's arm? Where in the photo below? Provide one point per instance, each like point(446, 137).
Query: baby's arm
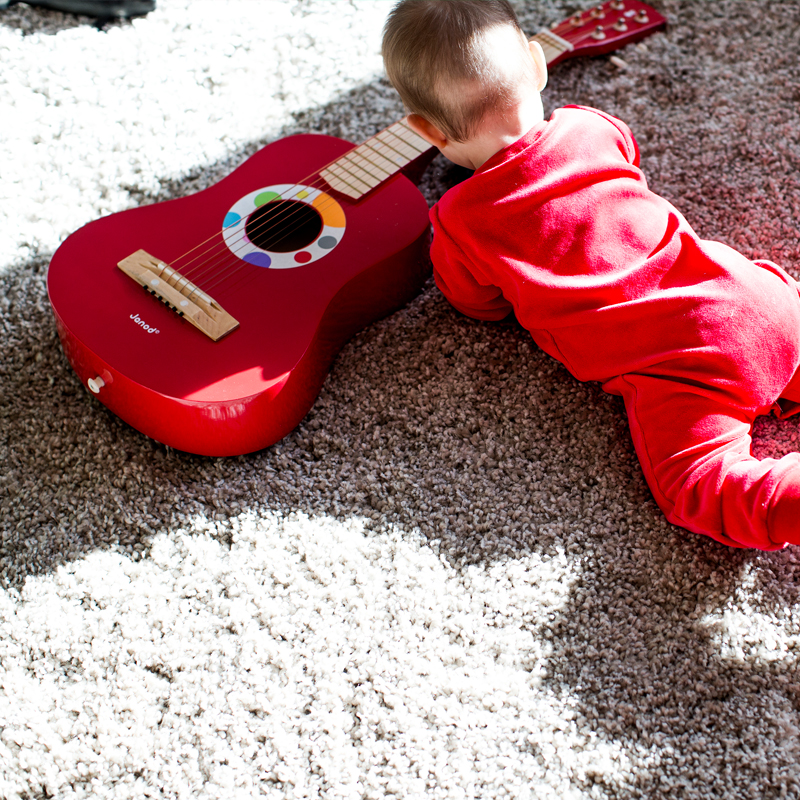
point(461, 282)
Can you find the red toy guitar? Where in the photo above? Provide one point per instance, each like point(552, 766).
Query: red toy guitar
point(254, 284)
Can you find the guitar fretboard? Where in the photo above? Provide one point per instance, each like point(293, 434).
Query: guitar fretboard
point(371, 163)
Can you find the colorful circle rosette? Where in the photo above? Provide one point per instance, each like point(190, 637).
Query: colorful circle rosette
point(283, 226)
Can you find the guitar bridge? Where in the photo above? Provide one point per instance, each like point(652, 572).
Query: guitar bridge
point(178, 293)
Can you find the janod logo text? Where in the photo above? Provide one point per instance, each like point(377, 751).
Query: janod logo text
point(143, 325)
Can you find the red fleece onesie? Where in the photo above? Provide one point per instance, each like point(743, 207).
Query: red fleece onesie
point(610, 279)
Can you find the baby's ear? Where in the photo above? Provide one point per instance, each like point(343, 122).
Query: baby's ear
point(537, 54)
point(427, 130)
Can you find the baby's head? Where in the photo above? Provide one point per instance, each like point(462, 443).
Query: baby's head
point(465, 72)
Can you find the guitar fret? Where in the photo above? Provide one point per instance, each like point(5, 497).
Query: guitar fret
point(411, 137)
point(552, 44)
point(391, 139)
point(347, 178)
point(376, 162)
point(390, 153)
point(358, 174)
point(403, 148)
point(380, 161)
point(342, 187)
point(341, 184)
point(549, 53)
point(359, 170)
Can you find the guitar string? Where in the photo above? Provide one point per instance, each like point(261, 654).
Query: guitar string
point(282, 220)
point(277, 219)
point(230, 263)
point(183, 275)
point(317, 184)
point(196, 271)
point(374, 179)
point(321, 207)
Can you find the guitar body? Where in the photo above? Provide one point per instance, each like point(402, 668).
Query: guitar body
point(167, 379)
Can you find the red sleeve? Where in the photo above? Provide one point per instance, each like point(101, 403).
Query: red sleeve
point(460, 281)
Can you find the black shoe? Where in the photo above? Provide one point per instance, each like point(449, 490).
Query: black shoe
point(107, 9)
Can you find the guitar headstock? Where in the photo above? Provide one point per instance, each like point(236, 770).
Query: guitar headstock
point(603, 28)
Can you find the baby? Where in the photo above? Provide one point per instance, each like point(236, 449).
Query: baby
point(557, 225)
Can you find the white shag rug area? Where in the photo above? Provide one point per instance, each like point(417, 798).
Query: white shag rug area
point(450, 581)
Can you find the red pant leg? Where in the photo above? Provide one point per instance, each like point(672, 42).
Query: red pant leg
point(695, 453)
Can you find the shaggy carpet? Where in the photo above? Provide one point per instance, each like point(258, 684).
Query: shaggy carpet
point(450, 581)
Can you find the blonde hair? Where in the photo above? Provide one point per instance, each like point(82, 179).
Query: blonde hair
point(432, 45)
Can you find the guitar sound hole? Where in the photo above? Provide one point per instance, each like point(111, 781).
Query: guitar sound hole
point(282, 226)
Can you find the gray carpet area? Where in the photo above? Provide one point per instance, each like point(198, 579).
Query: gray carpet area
point(450, 581)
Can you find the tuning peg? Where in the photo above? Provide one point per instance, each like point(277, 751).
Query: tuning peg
point(599, 33)
point(620, 24)
point(617, 5)
point(597, 12)
point(641, 17)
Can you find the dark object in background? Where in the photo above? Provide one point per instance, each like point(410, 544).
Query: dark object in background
point(105, 9)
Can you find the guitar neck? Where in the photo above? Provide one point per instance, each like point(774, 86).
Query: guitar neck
point(553, 45)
